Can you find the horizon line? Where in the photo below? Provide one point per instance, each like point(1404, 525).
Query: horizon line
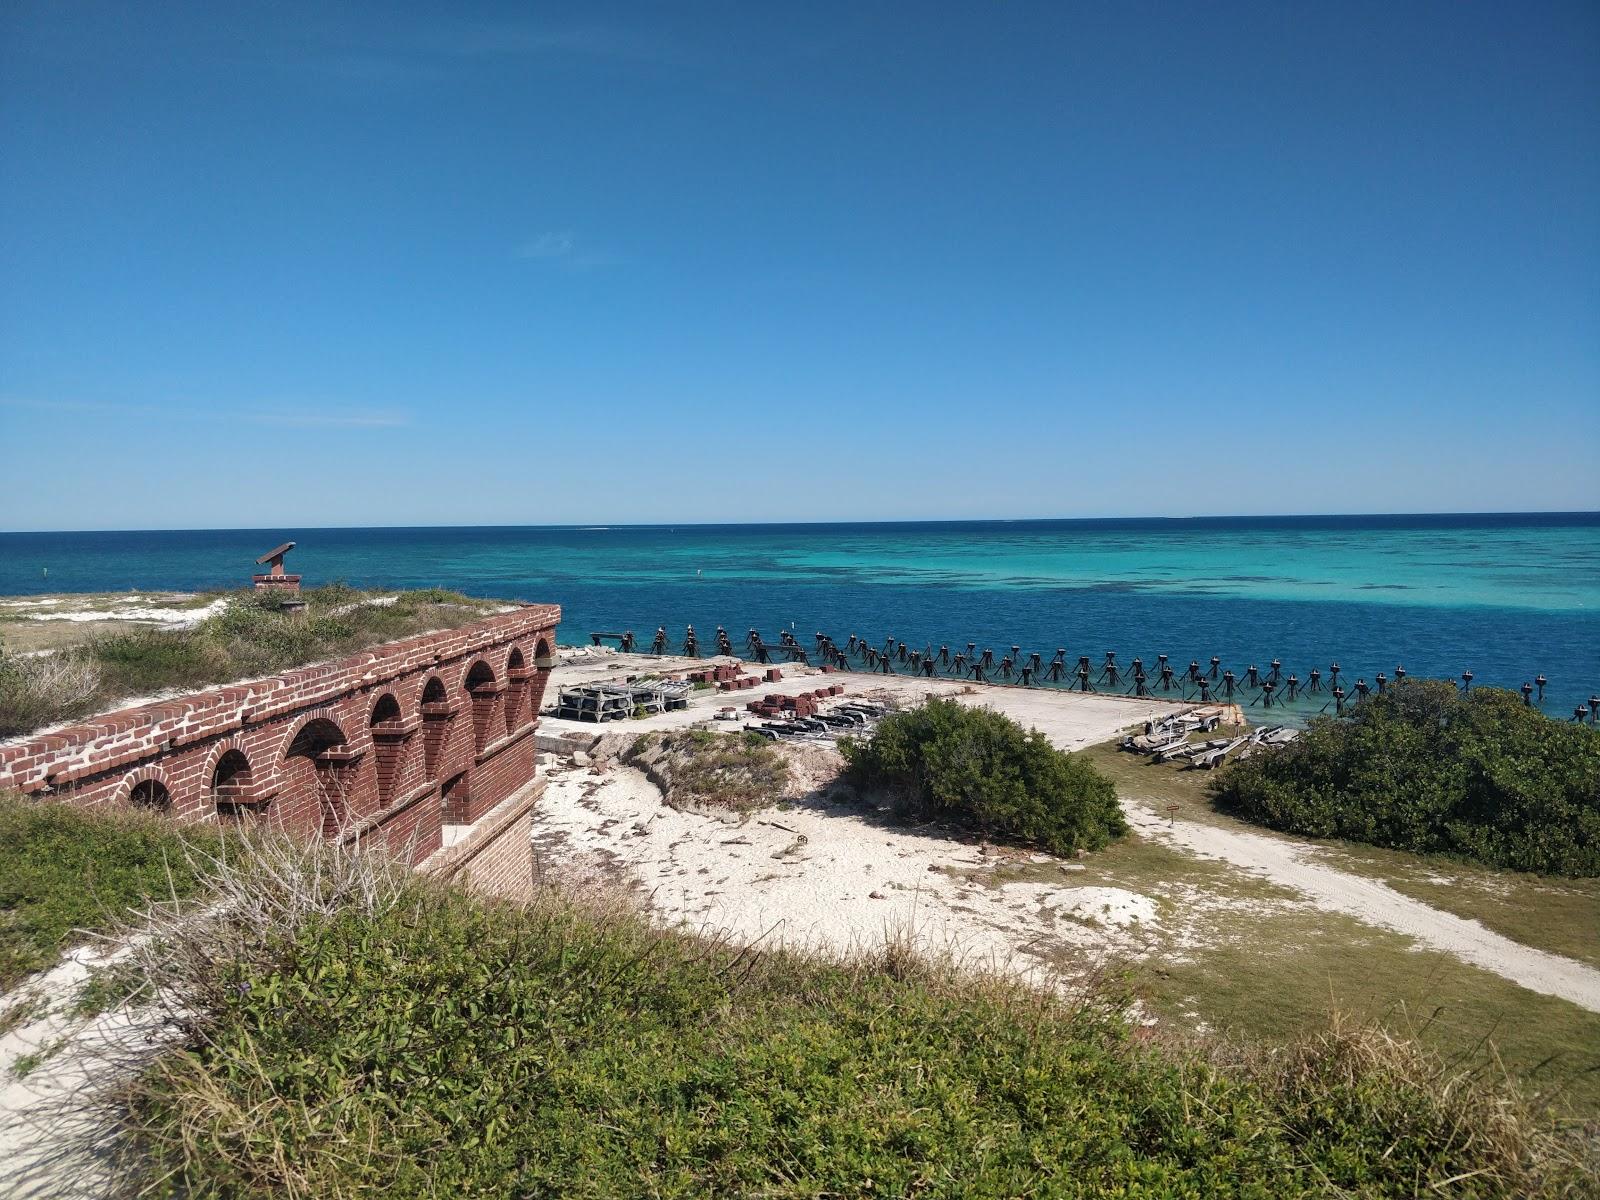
point(609, 525)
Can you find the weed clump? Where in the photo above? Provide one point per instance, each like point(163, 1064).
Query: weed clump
point(948, 761)
point(699, 768)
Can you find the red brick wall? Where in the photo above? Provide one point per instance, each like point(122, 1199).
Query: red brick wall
point(314, 760)
point(496, 856)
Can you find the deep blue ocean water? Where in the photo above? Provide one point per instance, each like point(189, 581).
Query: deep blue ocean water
point(1506, 597)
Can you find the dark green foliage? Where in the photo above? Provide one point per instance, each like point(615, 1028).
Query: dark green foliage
point(452, 1048)
point(946, 761)
point(1428, 769)
point(65, 870)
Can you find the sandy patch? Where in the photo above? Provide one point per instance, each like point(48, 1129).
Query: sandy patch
point(55, 1127)
point(129, 610)
point(824, 877)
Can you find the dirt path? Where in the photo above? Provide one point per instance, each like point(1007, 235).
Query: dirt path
point(1295, 865)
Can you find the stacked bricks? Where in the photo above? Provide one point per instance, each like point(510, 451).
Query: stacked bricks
point(361, 746)
point(803, 705)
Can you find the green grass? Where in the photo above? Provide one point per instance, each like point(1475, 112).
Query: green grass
point(1256, 965)
point(1271, 974)
point(252, 636)
point(442, 1046)
point(109, 988)
point(66, 871)
point(1554, 913)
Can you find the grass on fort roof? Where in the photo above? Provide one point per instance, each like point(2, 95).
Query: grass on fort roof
point(67, 873)
point(252, 635)
point(408, 1040)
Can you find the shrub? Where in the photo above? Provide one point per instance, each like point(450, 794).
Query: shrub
point(947, 761)
point(1429, 769)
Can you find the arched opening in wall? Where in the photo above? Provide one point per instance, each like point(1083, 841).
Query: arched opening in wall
point(322, 743)
point(453, 800)
point(543, 660)
point(150, 794)
point(516, 690)
point(232, 787)
point(436, 716)
point(390, 737)
point(483, 692)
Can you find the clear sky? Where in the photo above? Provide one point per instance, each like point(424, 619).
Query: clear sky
point(462, 263)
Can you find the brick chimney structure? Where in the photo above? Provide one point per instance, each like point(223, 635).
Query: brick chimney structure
point(275, 580)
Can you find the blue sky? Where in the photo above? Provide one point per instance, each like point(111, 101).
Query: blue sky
point(525, 264)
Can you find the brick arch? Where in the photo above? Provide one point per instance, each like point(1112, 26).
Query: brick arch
point(517, 677)
point(470, 672)
point(435, 682)
point(318, 764)
point(391, 744)
point(231, 787)
point(286, 744)
point(433, 704)
point(264, 773)
point(151, 774)
point(515, 658)
point(395, 711)
point(543, 660)
point(484, 696)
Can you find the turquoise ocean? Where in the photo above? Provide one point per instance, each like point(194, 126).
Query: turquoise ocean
point(1505, 597)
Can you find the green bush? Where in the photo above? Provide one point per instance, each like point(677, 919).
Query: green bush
point(449, 1047)
point(947, 761)
point(1429, 769)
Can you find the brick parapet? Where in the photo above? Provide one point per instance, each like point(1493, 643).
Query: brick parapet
point(318, 754)
point(130, 735)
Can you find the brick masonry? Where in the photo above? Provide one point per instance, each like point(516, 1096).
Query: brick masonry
point(383, 744)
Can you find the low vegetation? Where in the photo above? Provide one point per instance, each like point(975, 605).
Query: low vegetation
point(355, 1032)
point(1428, 769)
point(67, 871)
point(947, 761)
point(252, 635)
point(696, 768)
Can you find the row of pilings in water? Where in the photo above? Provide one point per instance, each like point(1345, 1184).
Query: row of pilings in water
point(1264, 687)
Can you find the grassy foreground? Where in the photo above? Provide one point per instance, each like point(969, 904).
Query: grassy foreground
point(66, 871)
point(252, 635)
point(397, 1038)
